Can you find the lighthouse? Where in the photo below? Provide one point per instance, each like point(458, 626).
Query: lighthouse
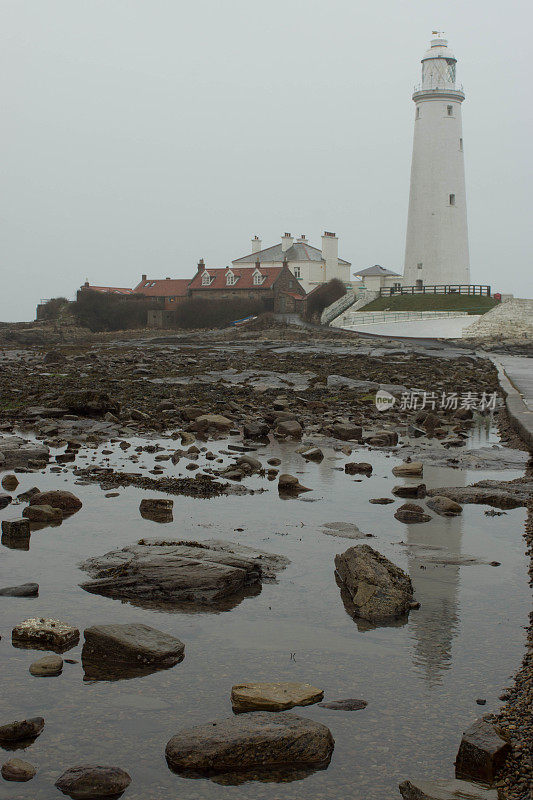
point(436, 250)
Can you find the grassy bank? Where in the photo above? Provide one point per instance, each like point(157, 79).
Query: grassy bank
point(432, 302)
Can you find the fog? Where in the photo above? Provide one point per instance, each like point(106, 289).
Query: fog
point(141, 135)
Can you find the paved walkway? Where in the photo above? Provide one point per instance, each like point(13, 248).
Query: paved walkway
point(516, 379)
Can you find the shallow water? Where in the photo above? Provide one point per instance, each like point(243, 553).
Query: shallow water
point(420, 679)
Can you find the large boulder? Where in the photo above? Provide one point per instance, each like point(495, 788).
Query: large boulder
point(289, 485)
point(379, 591)
point(90, 402)
point(47, 667)
point(277, 696)
point(207, 422)
point(411, 513)
point(10, 483)
point(21, 730)
point(408, 469)
point(444, 506)
point(157, 509)
point(43, 513)
point(112, 650)
point(448, 789)
point(481, 753)
point(17, 770)
point(160, 571)
point(250, 742)
point(45, 634)
point(88, 781)
point(66, 501)
point(346, 431)
point(255, 430)
point(358, 468)
point(290, 428)
point(410, 490)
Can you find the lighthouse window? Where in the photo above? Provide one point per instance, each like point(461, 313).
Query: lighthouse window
point(418, 112)
point(419, 265)
point(450, 111)
point(452, 199)
point(460, 144)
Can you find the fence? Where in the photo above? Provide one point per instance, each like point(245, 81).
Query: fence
point(362, 318)
point(445, 288)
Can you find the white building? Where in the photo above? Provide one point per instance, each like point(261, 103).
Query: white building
point(436, 250)
point(376, 277)
point(309, 265)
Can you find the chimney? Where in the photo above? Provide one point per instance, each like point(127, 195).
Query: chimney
point(286, 242)
point(143, 278)
point(201, 265)
point(330, 254)
point(303, 238)
point(256, 244)
point(86, 284)
point(258, 265)
point(167, 279)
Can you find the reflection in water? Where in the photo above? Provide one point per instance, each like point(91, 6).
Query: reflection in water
point(436, 586)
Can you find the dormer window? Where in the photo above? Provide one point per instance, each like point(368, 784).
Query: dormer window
point(258, 278)
point(231, 280)
point(206, 279)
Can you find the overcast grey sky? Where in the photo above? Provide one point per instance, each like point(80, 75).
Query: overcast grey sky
point(140, 135)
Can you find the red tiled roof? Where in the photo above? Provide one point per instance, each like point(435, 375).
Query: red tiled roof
point(109, 289)
point(243, 276)
point(165, 287)
point(296, 295)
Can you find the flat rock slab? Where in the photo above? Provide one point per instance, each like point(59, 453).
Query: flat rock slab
point(350, 704)
point(481, 753)
point(273, 696)
point(445, 790)
point(111, 649)
point(21, 730)
point(250, 742)
point(45, 634)
point(379, 591)
point(24, 590)
point(160, 571)
point(88, 781)
point(18, 452)
point(17, 770)
point(500, 494)
point(344, 530)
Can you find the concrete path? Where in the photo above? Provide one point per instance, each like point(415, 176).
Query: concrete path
point(516, 379)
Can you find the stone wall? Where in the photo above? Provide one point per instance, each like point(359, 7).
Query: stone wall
point(512, 319)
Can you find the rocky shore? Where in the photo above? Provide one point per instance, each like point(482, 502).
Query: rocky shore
point(208, 403)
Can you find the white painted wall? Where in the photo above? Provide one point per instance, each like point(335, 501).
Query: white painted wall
point(437, 233)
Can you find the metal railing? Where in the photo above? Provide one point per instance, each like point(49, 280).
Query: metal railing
point(369, 318)
point(444, 288)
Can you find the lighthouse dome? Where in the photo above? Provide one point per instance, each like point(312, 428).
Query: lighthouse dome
point(439, 49)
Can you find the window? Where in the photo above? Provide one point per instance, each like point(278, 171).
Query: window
point(452, 199)
point(460, 144)
point(419, 284)
point(418, 112)
point(419, 265)
point(206, 279)
point(397, 287)
point(230, 279)
point(450, 110)
point(297, 272)
point(258, 279)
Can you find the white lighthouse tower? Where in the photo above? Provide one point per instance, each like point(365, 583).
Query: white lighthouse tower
point(436, 250)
